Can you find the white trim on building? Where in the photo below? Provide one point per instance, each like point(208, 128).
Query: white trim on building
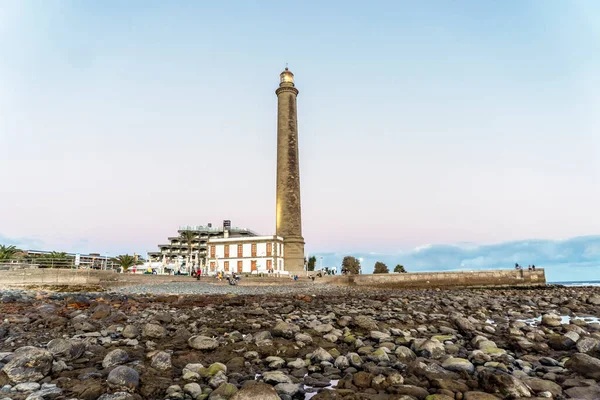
point(246, 255)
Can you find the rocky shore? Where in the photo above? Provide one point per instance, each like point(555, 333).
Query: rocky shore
point(300, 342)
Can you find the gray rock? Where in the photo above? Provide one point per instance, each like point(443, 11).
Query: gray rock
point(542, 385)
point(341, 362)
point(154, 331)
point(276, 377)
point(297, 364)
point(203, 343)
point(256, 391)
point(355, 360)
point(29, 364)
point(116, 396)
point(161, 361)
point(585, 365)
point(366, 323)
point(285, 329)
point(551, 320)
point(130, 332)
point(195, 368)
point(193, 389)
point(124, 378)
point(289, 389)
point(27, 387)
point(45, 394)
point(431, 348)
point(458, 365)
point(66, 349)
point(217, 380)
point(114, 358)
point(584, 392)
point(493, 381)
point(321, 354)
point(587, 344)
point(303, 338)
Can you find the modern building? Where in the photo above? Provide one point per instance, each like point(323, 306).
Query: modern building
point(248, 255)
point(178, 248)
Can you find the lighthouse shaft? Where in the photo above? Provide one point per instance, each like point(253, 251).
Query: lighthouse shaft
point(288, 218)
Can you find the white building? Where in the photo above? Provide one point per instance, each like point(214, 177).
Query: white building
point(247, 255)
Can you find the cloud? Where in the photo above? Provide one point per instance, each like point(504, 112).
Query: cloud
point(561, 258)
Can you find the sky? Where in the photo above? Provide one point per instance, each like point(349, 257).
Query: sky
point(422, 125)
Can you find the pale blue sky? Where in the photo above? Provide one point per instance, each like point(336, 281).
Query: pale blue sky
point(420, 123)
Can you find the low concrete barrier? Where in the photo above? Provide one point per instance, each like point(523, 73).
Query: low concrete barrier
point(493, 278)
point(68, 277)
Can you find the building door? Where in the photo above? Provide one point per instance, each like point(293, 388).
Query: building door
point(212, 266)
point(269, 264)
point(253, 265)
point(226, 266)
point(240, 263)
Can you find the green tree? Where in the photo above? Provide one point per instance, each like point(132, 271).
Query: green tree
point(351, 265)
point(126, 261)
point(381, 268)
point(312, 261)
point(400, 269)
point(189, 237)
point(8, 252)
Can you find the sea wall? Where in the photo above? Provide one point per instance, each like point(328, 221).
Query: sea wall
point(493, 278)
point(70, 277)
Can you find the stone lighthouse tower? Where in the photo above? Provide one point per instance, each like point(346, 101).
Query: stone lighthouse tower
point(289, 220)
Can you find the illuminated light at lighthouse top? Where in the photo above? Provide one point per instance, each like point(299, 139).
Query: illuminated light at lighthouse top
point(286, 77)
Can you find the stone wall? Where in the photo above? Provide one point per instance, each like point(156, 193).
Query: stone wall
point(493, 278)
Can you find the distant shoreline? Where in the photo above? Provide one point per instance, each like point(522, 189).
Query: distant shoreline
point(576, 283)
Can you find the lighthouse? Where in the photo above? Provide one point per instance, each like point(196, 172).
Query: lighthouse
point(288, 209)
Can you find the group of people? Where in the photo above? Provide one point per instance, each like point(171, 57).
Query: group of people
point(530, 268)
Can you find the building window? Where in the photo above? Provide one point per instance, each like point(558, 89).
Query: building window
point(280, 249)
point(226, 266)
point(240, 250)
point(212, 266)
point(253, 249)
point(253, 265)
point(280, 268)
point(240, 267)
point(269, 249)
point(226, 251)
point(213, 251)
point(269, 264)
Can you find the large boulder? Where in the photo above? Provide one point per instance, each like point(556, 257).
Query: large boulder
point(66, 349)
point(124, 378)
point(256, 391)
point(366, 323)
point(458, 365)
point(542, 385)
point(585, 365)
point(431, 348)
point(203, 343)
point(161, 361)
point(114, 358)
point(494, 381)
point(285, 329)
point(154, 331)
point(551, 320)
point(29, 364)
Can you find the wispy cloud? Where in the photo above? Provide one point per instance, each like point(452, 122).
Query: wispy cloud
point(560, 257)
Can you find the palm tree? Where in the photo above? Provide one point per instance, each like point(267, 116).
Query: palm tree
point(8, 252)
point(126, 261)
point(188, 236)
